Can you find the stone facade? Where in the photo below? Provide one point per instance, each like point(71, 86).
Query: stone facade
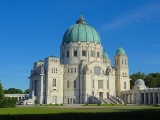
point(83, 74)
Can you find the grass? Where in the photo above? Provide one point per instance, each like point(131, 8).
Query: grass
point(53, 110)
point(91, 112)
point(48, 104)
point(104, 105)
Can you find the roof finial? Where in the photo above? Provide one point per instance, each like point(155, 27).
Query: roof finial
point(81, 20)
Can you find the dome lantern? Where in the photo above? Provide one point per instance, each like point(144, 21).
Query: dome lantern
point(81, 20)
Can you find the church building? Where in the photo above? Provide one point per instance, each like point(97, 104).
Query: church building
point(82, 74)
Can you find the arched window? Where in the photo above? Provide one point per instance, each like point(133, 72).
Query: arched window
point(98, 70)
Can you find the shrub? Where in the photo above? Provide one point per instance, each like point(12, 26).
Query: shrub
point(50, 103)
point(8, 102)
point(62, 104)
point(40, 104)
point(86, 103)
point(99, 104)
point(56, 104)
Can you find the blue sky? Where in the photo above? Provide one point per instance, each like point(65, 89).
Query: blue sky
point(31, 30)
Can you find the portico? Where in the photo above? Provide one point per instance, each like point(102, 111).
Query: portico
point(140, 94)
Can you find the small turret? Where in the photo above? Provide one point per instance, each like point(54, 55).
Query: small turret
point(106, 59)
point(121, 71)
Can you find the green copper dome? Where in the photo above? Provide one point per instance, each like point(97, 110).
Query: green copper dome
point(82, 32)
point(105, 55)
point(120, 50)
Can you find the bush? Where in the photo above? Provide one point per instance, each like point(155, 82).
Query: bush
point(99, 104)
point(56, 104)
point(50, 103)
point(62, 104)
point(40, 104)
point(8, 102)
point(86, 103)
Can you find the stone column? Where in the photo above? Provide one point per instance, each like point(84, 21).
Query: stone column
point(41, 89)
point(133, 98)
point(144, 98)
point(140, 98)
point(149, 98)
point(158, 97)
point(33, 88)
point(47, 90)
point(30, 87)
point(154, 102)
point(130, 98)
point(126, 98)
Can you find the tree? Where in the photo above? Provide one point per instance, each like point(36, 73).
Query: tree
point(2, 96)
point(26, 91)
point(14, 91)
point(4, 101)
point(6, 91)
point(152, 80)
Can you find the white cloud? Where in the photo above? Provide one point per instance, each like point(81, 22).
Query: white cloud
point(141, 14)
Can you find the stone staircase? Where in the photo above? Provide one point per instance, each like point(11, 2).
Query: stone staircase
point(116, 100)
point(106, 101)
point(111, 100)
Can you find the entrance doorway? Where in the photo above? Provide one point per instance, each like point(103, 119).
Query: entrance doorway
point(100, 94)
point(54, 100)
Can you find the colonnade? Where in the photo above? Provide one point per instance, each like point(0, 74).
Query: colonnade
point(18, 96)
point(146, 96)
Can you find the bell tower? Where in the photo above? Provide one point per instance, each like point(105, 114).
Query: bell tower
point(121, 71)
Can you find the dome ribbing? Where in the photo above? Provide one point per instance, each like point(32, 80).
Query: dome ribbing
point(82, 32)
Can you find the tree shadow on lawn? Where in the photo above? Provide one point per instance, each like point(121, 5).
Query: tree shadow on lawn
point(135, 114)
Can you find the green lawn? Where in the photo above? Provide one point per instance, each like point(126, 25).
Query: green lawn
point(84, 109)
